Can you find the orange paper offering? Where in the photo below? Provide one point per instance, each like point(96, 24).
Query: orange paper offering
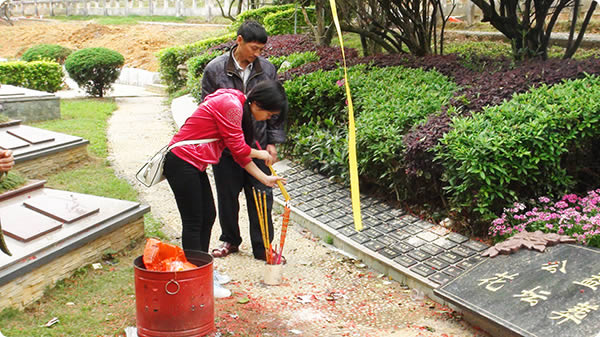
point(160, 256)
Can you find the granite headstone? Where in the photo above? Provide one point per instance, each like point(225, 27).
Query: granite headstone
point(555, 293)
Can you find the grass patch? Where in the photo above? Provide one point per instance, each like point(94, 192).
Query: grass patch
point(152, 228)
point(119, 20)
point(85, 118)
point(90, 302)
point(351, 40)
point(96, 178)
point(10, 182)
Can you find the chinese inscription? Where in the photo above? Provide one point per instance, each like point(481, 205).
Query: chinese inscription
point(532, 296)
point(552, 267)
point(497, 282)
point(575, 314)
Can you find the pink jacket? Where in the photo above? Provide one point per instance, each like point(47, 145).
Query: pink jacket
point(219, 116)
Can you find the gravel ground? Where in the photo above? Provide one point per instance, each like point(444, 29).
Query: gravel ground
point(324, 292)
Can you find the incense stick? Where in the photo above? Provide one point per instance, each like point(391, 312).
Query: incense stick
point(266, 222)
point(260, 221)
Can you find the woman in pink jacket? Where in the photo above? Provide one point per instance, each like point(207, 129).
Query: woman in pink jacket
point(227, 116)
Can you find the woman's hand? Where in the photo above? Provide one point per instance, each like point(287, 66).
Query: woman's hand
point(266, 156)
point(272, 180)
point(7, 161)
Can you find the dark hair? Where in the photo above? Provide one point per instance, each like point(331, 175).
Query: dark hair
point(268, 95)
point(252, 31)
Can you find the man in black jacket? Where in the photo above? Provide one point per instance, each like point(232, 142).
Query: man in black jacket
point(242, 68)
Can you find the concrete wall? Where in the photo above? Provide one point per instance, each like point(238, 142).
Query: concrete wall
point(31, 108)
point(30, 287)
point(43, 166)
point(205, 8)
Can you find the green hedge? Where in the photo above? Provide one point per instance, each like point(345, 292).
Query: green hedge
point(46, 52)
point(518, 149)
point(257, 15)
point(294, 60)
point(170, 58)
point(282, 22)
point(37, 75)
point(196, 67)
point(388, 102)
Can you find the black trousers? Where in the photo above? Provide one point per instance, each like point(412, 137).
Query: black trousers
point(230, 179)
point(195, 202)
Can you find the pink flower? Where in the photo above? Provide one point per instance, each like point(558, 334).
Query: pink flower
point(561, 204)
point(340, 83)
point(544, 200)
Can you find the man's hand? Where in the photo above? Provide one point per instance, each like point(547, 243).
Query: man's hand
point(272, 151)
point(7, 161)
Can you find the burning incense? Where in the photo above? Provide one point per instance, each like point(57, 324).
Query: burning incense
point(284, 226)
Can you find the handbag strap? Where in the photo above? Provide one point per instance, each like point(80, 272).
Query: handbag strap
point(189, 142)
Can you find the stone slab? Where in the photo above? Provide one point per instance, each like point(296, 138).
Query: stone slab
point(555, 293)
point(38, 147)
point(444, 243)
point(109, 209)
point(405, 261)
point(24, 224)
point(418, 255)
point(10, 142)
point(360, 238)
point(388, 252)
point(374, 245)
point(440, 278)
point(422, 270)
point(66, 209)
point(31, 135)
point(431, 249)
point(436, 263)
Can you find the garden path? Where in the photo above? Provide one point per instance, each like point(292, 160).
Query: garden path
point(324, 293)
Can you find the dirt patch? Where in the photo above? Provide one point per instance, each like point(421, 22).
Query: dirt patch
point(137, 43)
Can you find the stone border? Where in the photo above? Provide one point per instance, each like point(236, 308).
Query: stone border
point(47, 162)
point(30, 287)
point(412, 251)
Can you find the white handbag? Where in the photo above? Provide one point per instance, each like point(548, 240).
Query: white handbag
point(151, 172)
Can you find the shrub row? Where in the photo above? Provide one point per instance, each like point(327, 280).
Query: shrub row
point(37, 75)
point(384, 113)
point(171, 58)
point(46, 52)
point(283, 22)
point(258, 15)
point(518, 149)
point(196, 66)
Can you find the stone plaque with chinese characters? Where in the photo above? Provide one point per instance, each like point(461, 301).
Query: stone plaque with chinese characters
point(555, 293)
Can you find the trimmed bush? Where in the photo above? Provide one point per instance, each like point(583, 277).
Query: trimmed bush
point(282, 22)
point(46, 52)
point(522, 148)
point(388, 102)
point(196, 67)
point(95, 69)
point(170, 59)
point(257, 15)
point(36, 75)
point(293, 60)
